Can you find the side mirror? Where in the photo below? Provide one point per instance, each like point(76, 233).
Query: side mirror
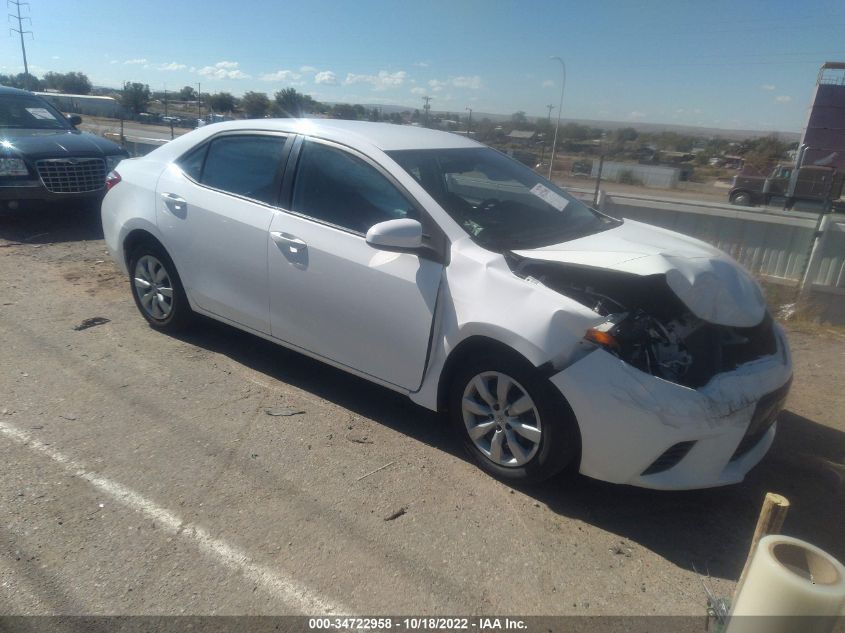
point(395, 235)
point(74, 119)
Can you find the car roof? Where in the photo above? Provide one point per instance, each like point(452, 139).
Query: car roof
point(8, 90)
point(385, 136)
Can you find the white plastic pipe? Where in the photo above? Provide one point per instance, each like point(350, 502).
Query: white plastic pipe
point(797, 585)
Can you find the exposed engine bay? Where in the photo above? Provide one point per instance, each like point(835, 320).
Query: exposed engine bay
point(648, 326)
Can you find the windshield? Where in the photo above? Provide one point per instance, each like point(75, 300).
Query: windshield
point(500, 203)
point(29, 112)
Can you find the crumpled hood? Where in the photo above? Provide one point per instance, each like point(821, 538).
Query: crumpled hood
point(57, 143)
point(710, 283)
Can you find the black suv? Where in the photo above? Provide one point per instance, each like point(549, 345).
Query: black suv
point(44, 158)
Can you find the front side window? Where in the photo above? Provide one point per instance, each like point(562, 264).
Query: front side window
point(246, 166)
point(335, 187)
point(499, 202)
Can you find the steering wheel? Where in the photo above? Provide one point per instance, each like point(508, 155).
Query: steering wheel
point(487, 204)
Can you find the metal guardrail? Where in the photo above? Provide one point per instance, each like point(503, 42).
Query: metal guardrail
point(136, 145)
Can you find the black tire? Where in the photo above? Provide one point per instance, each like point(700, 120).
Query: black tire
point(180, 314)
point(560, 441)
point(741, 198)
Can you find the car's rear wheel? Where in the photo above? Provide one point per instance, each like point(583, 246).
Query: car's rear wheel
point(513, 421)
point(157, 289)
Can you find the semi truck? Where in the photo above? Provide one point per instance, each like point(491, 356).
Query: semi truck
point(819, 170)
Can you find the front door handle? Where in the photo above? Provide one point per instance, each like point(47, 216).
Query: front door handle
point(289, 241)
point(175, 203)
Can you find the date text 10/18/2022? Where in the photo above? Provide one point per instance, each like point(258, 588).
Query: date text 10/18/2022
point(417, 624)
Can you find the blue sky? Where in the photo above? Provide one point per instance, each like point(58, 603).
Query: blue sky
point(730, 64)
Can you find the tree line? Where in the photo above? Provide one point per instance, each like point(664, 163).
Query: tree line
point(69, 83)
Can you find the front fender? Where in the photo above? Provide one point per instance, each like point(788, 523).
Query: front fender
point(486, 299)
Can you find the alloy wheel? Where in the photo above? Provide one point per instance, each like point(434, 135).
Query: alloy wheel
point(154, 288)
point(501, 419)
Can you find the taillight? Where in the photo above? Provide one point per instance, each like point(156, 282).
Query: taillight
point(112, 179)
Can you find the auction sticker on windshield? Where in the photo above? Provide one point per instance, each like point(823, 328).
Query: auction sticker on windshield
point(42, 114)
point(550, 197)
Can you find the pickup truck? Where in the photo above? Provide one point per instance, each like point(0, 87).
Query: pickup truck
point(810, 182)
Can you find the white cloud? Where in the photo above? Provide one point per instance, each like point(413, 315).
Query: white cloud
point(114, 61)
point(55, 57)
point(325, 77)
point(421, 64)
point(172, 66)
point(307, 69)
point(767, 87)
point(140, 60)
point(281, 75)
point(473, 82)
point(783, 99)
point(223, 70)
point(382, 81)
point(636, 114)
point(548, 83)
point(436, 85)
point(419, 90)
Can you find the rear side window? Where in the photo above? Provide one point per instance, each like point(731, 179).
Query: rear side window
point(335, 187)
point(246, 166)
point(192, 162)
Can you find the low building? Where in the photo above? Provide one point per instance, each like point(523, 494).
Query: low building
point(521, 136)
point(85, 104)
point(633, 173)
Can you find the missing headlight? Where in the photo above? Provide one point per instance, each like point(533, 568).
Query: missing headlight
point(648, 326)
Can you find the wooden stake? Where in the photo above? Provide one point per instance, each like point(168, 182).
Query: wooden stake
point(772, 516)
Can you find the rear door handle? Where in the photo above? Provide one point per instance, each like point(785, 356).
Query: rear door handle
point(289, 241)
point(174, 202)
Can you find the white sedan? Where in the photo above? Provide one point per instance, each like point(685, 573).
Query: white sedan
point(555, 336)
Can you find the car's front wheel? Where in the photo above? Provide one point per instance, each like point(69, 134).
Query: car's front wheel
point(157, 289)
point(741, 198)
point(513, 421)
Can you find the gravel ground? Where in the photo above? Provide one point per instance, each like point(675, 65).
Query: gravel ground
point(142, 474)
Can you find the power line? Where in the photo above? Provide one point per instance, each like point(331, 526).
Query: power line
point(20, 30)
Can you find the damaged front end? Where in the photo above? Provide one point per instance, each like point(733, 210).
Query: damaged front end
point(649, 326)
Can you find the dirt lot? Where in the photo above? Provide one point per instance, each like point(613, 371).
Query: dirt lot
point(142, 474)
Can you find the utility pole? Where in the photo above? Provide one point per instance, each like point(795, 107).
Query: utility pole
point(199, 102)
point(546, 134)
point(122, 137)
point(20, 31)
point(426, 108)
point(165, 99)
point(559, 109)
point(469, 123)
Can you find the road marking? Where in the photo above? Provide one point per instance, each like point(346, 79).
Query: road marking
point(274, 582)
